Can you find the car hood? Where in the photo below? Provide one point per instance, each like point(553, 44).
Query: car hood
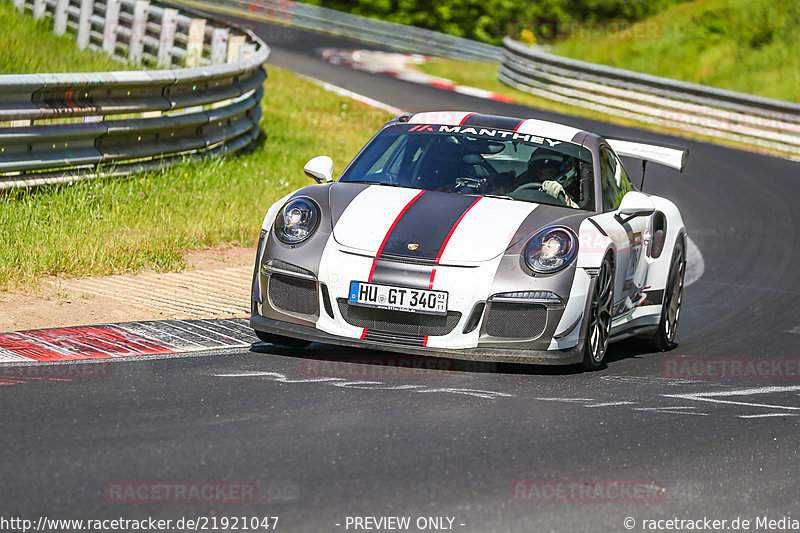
point(421, 225)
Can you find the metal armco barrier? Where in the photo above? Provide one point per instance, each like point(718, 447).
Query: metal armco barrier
point(58, 128)
point(739, 117)
point(403, 38)
point(691, 107)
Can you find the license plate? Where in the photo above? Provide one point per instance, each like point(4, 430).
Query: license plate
point(398, 298)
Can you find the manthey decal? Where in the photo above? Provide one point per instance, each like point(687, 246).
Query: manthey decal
point(485, 132)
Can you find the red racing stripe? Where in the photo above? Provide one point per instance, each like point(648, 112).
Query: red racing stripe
point(463, 120)
point(447, 239)
point(453, 229)
point(386, 237)
point(372, 270)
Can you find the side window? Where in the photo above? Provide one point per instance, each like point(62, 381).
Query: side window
point(610, 170)
point(622, 181)
point(393, 154)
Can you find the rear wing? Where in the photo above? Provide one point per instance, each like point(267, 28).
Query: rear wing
point(663, 155)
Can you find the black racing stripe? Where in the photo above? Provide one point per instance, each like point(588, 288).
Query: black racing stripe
point(340, 195)
point(491, 121)
point(426, 223)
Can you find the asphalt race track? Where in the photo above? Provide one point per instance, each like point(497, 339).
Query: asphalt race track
point(329, 433)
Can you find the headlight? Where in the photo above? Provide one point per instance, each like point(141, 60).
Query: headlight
point(297, 220)
point(551, 249)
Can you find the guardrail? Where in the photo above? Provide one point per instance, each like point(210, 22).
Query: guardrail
point(403, 38)
point(65, 127)
point(691, 107)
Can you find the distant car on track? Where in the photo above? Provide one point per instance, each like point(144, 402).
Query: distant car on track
point(476, 237)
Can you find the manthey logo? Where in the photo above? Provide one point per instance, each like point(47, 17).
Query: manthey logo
point(485, 132)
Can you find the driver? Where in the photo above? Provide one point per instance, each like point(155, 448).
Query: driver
point(557, 174)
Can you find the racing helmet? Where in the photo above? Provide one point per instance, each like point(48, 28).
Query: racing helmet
point(546, 164)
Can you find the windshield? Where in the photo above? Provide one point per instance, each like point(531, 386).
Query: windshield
point(479, 161)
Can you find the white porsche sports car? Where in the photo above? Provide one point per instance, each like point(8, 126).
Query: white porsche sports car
point(476, 237)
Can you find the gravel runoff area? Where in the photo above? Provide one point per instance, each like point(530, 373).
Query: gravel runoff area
point(216, 284)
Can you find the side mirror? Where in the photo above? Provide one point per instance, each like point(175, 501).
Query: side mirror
point(320, 169)
point(635, 204)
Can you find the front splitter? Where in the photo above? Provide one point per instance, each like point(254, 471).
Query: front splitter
point(540, 357)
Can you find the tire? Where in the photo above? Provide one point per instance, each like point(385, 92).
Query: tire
point(281, 340)
point(599, 330)
point(664, 337)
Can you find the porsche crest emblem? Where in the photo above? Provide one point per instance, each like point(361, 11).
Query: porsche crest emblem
point(413, 246)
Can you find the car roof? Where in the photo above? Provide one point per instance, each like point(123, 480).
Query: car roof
point(543, 128)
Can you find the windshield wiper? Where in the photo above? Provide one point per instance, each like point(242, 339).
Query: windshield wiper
point(387, 184)
point(500, 196)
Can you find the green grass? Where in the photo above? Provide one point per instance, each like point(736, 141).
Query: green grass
point(29, 46)
point(113, 226)
point(121, 225)
point(742, 45)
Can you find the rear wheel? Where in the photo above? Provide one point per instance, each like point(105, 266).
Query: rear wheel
point(281, 340)
point(599, 329)
point(664, 336)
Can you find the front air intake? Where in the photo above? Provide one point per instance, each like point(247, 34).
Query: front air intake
point(292, 294)
point(516, 320)
point(398, 321)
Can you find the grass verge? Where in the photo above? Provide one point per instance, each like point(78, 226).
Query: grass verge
point(112, 226)
point(742, 45)
point(149, 221)
point(29, 45)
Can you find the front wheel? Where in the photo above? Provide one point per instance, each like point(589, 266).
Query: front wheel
point(673, 296)
point(281, 340)
point(599, 329)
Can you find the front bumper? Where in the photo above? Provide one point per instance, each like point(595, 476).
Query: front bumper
point(299, 331)
point(309, 301)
